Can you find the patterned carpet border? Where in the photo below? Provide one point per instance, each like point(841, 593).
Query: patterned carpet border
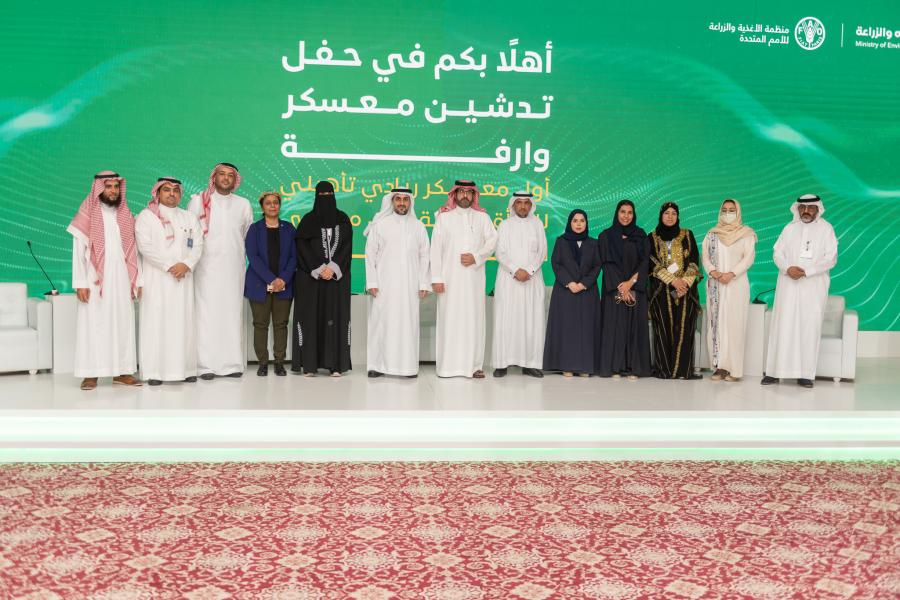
point(451, 530)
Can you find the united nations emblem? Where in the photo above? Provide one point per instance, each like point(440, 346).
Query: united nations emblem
point(809, 33)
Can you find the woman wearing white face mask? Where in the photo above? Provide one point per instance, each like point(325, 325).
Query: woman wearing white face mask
point(728, 252)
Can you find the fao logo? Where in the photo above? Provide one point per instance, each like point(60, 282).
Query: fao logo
point(809, 33)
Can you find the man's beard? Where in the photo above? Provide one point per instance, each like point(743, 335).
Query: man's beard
point(114, 202)
point(401, 211)
point(807, 218)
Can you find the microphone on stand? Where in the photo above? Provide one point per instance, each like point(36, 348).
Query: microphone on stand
point(53, 291)
point(759, 300)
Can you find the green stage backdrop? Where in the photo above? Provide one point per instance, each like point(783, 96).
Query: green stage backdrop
point(583, 102)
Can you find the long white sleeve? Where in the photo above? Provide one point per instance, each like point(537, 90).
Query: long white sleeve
point(827, 258)
point(535, 267)
point(780, 256)
point(502, 252)
point(80, 265)
point(437, 253)
point(247, 219)
point(424, 266)
point(704, 255)
point(195, 205)
point(489, 235)
point(196, 251)
point(373, 246)
point(747, 258)
point(148, 247)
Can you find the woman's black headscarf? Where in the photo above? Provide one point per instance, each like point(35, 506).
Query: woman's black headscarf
point(619, 233)
point(324, 215)
point(666, 233)
point(572, 237)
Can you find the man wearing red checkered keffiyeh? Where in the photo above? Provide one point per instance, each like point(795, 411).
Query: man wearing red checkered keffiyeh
point(464, 238)
point(107, 278)
point(170, 241)
point(225, 218)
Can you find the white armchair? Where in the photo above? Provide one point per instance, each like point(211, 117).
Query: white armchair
point(837, 350)
point(26, 330)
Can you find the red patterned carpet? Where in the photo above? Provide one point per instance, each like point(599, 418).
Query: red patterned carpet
point(450, 531)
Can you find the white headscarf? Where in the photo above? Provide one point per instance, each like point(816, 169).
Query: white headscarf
point(387, 208)
point(808, 199)
point(531, 220)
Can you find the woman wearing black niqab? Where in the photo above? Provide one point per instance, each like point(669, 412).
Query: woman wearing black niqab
point(322, 288)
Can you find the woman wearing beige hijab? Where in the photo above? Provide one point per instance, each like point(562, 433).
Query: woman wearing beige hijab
point(728, 253)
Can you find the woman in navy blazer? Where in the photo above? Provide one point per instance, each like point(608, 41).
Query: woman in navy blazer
point(272, 255)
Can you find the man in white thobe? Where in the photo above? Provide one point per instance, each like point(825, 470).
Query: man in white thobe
point(107, 279)
point(170, 242)
point(464, 238)
point(396, 281)
point(519, 290)
point(805, 252)
point(224, 218)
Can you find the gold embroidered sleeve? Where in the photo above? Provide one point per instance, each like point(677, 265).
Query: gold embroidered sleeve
point(663, 275)
point(691, 271)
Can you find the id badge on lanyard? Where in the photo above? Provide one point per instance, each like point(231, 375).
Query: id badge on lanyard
point(673, 266)
point(806, 250)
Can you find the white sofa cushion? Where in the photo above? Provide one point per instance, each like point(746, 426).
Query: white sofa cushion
point(13, 305)
point(833, 320)
point(18, 348)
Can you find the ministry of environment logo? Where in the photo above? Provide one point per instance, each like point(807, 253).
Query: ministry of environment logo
point(809, 33)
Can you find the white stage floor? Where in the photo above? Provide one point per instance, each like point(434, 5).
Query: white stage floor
point(46, 417)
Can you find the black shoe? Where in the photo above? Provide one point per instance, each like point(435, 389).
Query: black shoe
point(766, 380)
point(262, 371)
point(374, 374)
point(805, 383)
point(279, 370)
point(158, 382)
point(191, 379)
point(533, 373)
point(236, 375)
point(499, 372)
point(208, 376)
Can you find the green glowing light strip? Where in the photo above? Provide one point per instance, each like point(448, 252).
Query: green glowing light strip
point(439, 430)
point(69, 455)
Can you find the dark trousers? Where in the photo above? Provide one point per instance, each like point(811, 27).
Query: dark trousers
point(277, 311)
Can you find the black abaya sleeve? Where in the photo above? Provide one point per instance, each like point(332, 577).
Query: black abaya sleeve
point(612, 275)
point(307, 261)
point(563, 277)
point(343, 255)
point(589, 279)
point(643, 268)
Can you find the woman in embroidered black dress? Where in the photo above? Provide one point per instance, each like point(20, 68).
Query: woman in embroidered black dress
point(674, 298)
